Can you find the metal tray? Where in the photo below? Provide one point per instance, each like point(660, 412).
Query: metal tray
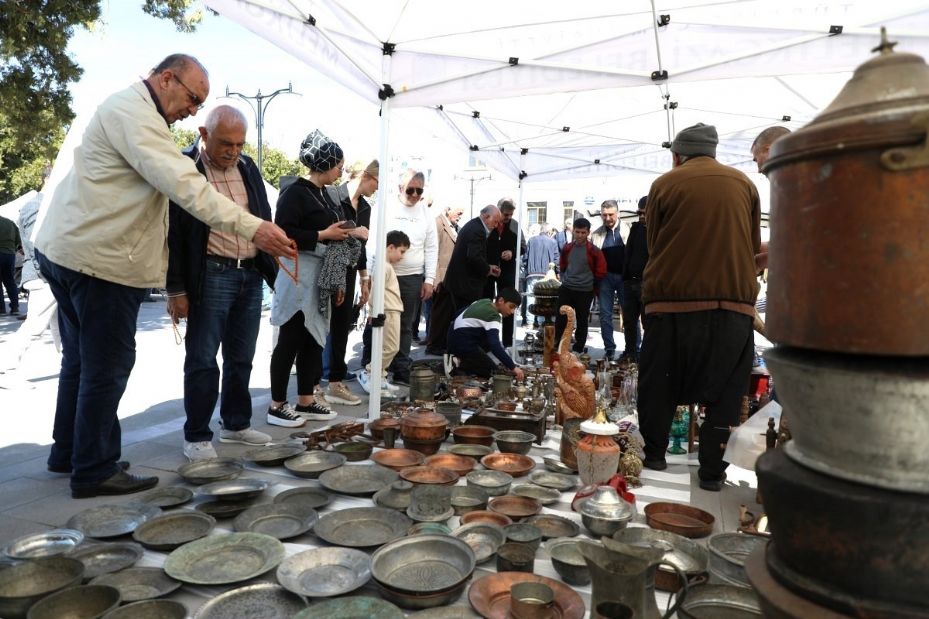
point(276, 519)
point(263, 600)
point(310, 498)
point(362, 527)
point(149, 609)
point(484, 538)
point(201, 472)
point(169, 531)
point(557, 481)
point(679, 518)
point(112, 520)
point(554, 526)
point(224, 509)
point(358, 480)
point(45, 544)
point(168, 496)
point(545, 496)
point(234, 489)
point(355, 607)
point(313, 463)
point(423, 564)
point(274, 455)
point(446, 612)
point(490, 595)
point(139, 583)
point(107, 557)
point(325, 572)
point(224, 559)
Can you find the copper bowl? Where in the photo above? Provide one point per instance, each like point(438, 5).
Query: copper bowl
point(469, 392)
point(505, 405)
point(471, 450)
point(460, 464)
point(376, 427)
point(475, 435)
point(486, 516)
point(514, 441)
point(516, 507)
point(398, 459)
point(354, 451)
point(679, 518)
point(430, 475)
point(427, 448)
point(516, 465)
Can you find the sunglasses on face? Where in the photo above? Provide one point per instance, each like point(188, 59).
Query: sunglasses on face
point(411, 190)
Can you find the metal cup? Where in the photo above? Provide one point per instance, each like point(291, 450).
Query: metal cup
point(532, 600)
point(515, 558)
point(613, 610)
point(390, 437)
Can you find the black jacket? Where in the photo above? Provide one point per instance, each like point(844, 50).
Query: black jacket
point(339, 195)
point(499, 243)
point(468, 266)
point(636, 255)
point(187, 235)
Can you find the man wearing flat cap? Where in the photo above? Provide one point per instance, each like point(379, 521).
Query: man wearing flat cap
point(703, 228)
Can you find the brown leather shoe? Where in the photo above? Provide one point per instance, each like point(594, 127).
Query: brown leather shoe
point(66, 470)
point(120, 483)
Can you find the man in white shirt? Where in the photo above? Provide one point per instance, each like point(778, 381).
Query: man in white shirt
point(416, 271)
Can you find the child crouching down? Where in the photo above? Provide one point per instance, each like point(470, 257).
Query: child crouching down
point(397, 245)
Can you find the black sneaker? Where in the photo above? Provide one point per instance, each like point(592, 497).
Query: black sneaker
point(713, 485)
point(284, 416)
point(655, 464)
point(315, 412)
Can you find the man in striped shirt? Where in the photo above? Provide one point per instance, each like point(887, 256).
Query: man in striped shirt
point(476, 331)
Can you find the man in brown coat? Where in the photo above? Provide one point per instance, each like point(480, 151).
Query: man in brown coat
point(699, 290)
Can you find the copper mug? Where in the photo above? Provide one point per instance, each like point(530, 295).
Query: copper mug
point(532, 600)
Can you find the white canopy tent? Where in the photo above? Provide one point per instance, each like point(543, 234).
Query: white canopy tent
point(587, 89)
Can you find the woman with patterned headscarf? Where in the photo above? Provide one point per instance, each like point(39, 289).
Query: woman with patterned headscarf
point(312, 220)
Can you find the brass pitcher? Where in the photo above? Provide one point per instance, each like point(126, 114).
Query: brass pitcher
point(422, 384)
point(624, 573)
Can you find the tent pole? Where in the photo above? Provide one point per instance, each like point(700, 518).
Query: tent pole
point(521, 214)
point(379, 252)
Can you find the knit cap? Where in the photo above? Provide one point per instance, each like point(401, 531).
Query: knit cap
point(699, 139)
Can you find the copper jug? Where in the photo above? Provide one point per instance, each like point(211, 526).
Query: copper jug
point(853, 186)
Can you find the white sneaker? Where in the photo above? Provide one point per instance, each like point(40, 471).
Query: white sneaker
point(199, 451)
point(284, 416)
point(248, 436)
point(340, 394)
point(364, 379)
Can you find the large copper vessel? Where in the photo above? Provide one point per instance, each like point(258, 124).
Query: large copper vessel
point(849, 250)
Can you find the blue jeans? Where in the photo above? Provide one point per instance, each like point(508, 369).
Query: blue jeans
point(229, 313)
point(611, 287)
point(97, 321)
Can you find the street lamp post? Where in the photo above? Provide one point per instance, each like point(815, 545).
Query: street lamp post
point(260, 107)
point(474, 175)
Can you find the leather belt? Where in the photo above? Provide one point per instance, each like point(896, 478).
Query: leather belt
point(244, 263)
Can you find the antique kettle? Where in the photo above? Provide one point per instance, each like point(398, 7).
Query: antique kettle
point(625, 573)
point(423, 425)
point(852, 184)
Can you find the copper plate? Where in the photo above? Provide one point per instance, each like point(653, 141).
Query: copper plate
point(554, 526)
point(460, 464)
point(486, 516)
point(516, 507)
point(479, 435)
point(516, 465)
point(398, 459)
point(430, 475)
point(678, 518)
point(490, 596)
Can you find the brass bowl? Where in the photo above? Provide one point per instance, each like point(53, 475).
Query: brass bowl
point(354, 451)
point(398, 459)
point(82, 601)
point(486, 516)
point(516, 465)
point(516, 507)
point(430, 475)
point(24, 584)
point(475, 435)
point(514, 441)
point(460, 464)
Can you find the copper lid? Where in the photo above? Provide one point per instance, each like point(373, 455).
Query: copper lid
point(423, 418)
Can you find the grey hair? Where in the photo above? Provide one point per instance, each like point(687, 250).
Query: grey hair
point(506, 205)
point(609, 204)
point(545, 227)
point(177, 63)
point(226, 115)
point(769, 135)
point(490, 209)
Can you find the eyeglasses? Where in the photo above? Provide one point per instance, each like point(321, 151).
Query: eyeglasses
point(411, 190)
point(194, 97)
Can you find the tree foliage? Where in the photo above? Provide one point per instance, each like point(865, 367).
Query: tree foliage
point(274, 165)
point(35, 72)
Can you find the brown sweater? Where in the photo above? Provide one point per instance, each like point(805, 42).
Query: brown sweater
point(703, 222)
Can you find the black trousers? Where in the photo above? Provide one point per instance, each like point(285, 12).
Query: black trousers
point(632, 311)
point(340, 325)
point(476, 362)
point(580, 300)
point(703, 357)
point(294, 341)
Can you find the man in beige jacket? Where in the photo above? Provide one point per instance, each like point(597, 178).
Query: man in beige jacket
point(104, 243)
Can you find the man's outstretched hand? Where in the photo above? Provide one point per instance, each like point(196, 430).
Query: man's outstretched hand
point(272, 240)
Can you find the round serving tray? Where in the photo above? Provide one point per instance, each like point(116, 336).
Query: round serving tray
point(168, 496)
point(45, 544)
point(107, 557)
point(112, 520)
point(139, 583)
point(325, 572)
point(490, 595)
point(264, 600)
point(354, 607)
point(240, 489)
point(358, 479)
point(224, 559)
point(201, 472)
point(276, 519)
point(274, 455)
point(554, 526)
point(310, 498)
point(362, 527)
point(169, 531)
point(557, 481)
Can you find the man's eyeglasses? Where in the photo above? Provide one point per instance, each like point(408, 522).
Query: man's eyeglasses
point(411, 190)
point(194, 98)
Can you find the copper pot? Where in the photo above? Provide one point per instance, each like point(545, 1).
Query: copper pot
point(423, 425)
point(376, 427)
point(848, 216)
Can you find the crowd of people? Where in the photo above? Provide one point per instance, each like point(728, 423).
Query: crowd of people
point(138, 214)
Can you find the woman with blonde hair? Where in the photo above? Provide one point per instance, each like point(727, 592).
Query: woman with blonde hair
point(352, 196)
